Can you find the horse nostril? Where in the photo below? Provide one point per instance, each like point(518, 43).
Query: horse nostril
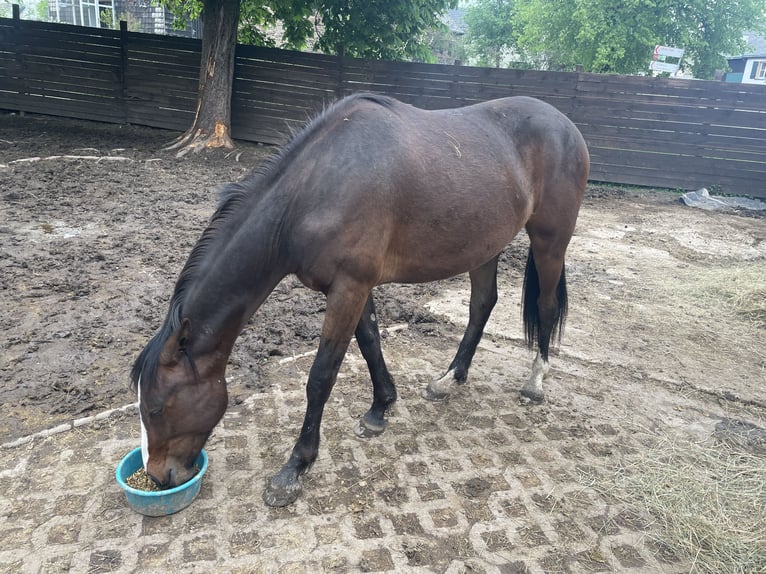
point(154, 480)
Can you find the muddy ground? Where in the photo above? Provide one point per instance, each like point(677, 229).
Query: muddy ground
point(97, 222)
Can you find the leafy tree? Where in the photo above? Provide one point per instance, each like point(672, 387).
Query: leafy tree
point(715, 29)
point(27, 10)
point(445, 46)
point(618, 37)
point(390, 29)
point(490, 35)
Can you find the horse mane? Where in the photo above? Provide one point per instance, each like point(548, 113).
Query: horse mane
point(231, 198)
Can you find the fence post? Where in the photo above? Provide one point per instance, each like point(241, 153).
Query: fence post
point(21, 81)
point(340, 90)
point(124, 67)
point(573, 112)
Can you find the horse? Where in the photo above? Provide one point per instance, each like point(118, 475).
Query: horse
point(371, 191)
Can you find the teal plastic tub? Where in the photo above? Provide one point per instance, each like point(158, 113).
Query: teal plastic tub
point(161, 502)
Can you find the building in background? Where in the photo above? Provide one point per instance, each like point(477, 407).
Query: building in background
point(141, 15)
point(749, 68)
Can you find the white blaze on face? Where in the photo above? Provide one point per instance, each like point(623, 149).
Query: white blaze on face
point(144, 436)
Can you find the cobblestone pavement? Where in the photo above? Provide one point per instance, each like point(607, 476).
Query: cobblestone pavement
point(479, 483)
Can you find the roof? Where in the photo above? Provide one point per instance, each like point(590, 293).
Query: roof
point(756, 47)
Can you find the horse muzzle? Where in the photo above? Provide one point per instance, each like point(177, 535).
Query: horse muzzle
point(169, 476)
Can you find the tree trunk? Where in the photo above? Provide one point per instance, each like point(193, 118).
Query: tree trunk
point(212, 122)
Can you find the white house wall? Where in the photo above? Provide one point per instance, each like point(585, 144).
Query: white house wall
point(746, 75)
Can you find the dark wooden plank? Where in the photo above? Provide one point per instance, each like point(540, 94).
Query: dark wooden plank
point(249, 114)
point(266, 129)
point(74, 55)
point(105, 112)
point(289, 57)
point(41, 31)
point(688, 142)
point(170, 63)
point(153, 42)
point(280, 93)
point(680, 163)
point(68, 40)
point(162, 100)
point(674, 111)
point(681, 91)
point(290, 105)
point(76, 73)
point(737, 183)
point(285, 76)
point(254, 69)
point(9, 100)
point(678, 171)
point(162, 84)
point(71, 92)
point(149, 114)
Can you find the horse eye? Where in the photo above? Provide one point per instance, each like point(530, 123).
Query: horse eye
point(155, 412)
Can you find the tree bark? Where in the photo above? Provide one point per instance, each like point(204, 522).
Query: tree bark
point(212, 121)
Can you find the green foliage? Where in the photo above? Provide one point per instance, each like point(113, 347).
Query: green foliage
point(382, 29)
point(715, 29)
point(618, 37)
point(43, 11)
point(106, 19)
point(490, 38)
point(294, 17)
point(445, 45)
point(28, 10)
point(387, 29)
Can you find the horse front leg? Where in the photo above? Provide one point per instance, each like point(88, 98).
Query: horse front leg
point(343, 310)
point(483, 299)
point(373, 422)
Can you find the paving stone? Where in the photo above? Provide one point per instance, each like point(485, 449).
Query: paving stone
point(465, 491)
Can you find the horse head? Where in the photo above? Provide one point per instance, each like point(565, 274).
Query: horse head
point(181, 396)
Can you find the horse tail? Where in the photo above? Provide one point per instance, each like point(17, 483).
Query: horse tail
point(536, 327)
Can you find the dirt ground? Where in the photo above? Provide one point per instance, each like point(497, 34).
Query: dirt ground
point(659, 340)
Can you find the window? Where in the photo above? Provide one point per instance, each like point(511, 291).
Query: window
point(758, 70)
point(97, 13)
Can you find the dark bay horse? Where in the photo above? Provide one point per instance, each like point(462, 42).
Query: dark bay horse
point(371, 191)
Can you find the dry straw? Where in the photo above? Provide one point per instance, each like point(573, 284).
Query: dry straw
point(741, 290)
point(707, 500)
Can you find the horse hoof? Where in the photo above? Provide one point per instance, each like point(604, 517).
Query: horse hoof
point(435, 396)
point(366, 428)
point(278, 495)
point(531, 397)
point(439, 390)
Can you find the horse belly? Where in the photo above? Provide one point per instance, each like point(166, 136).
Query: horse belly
point(432, 253)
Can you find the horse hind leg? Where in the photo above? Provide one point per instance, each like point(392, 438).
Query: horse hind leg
point(544, 309)
point(367, 334)
point(483, 299)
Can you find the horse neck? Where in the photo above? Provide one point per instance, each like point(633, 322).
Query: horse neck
point(241, 268)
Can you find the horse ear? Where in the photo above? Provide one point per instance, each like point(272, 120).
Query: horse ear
point(176, 343)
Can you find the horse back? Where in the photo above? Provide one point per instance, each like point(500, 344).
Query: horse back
point(420, 195)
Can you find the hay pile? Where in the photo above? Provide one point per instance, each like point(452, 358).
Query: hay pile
point(741, 290)
point(708, 501)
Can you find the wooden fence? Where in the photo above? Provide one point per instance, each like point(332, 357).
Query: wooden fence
point(673, 133)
